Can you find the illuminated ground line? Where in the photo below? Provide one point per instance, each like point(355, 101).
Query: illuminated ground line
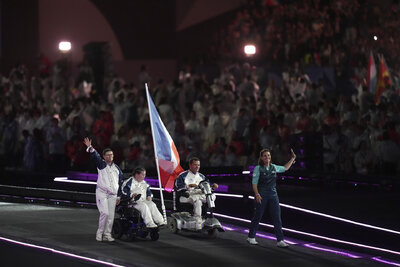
point(336, 218)
point(340, 219)
point(317, 247)
point(65, 179)
point(228, 195)
point(385, 261)
point(58, 252)
point(313, 235)
point(332, 251)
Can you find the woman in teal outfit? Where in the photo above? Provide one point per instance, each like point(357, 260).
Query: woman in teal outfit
point(264, 187)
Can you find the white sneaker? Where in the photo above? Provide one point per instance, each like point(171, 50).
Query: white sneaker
point(252, 241)
point(282, 244)
point(108, 238)
point(99, 237)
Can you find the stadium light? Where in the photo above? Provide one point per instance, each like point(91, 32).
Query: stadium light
point(249, 49)
point(64, 46)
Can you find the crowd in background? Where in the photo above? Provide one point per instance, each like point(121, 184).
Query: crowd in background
point(44, 116)
point(315, 32)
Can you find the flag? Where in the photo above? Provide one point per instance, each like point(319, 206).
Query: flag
point(383, 79)
point(371, 75)
point(167, 157)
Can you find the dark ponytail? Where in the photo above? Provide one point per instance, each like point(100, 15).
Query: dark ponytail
point(260, 161)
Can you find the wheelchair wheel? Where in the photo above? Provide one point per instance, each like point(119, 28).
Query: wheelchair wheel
point(172, 225)
point(117, 230)
point(154, 235)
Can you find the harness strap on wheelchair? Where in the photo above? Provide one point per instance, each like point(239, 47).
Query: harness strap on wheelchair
point(174, 200)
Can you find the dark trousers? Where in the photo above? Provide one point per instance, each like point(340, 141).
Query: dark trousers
point(272, 201)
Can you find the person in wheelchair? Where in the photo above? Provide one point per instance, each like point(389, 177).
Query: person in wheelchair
point(137, 191)
point(188, 191)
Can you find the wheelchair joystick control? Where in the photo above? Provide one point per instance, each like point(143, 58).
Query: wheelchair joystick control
point(186, 194)
point(137, 197)
point(181, 219)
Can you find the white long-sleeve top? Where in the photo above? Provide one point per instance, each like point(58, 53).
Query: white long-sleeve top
point(131, 186)
point(109, 176)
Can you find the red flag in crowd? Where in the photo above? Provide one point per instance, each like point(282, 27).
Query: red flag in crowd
point(383, 79)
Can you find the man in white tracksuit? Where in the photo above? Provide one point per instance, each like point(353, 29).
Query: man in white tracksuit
point(189, 181)
point(135, 186)
point(109, 179)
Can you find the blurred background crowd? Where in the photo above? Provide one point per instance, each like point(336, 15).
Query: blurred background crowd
point(307, 89)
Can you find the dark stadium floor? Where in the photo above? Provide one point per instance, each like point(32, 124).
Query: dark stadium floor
point(73, 230)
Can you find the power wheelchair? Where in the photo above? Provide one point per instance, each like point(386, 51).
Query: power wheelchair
point(182, 217)
point(129, 222)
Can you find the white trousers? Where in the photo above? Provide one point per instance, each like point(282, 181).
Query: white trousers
point(197, 201)
point(106, 206)
point(149, 212)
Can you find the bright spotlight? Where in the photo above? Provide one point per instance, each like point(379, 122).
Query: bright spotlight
point(64, 46)
point(375, 37)
point(249, 50)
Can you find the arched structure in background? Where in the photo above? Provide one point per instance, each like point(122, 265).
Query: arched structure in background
point(192, 12)
point(153, 33)
point(77, 21)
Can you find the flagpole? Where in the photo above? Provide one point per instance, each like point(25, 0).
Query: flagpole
point(155, 155)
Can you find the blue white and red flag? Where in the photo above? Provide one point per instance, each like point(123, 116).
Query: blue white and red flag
point(167, 157)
